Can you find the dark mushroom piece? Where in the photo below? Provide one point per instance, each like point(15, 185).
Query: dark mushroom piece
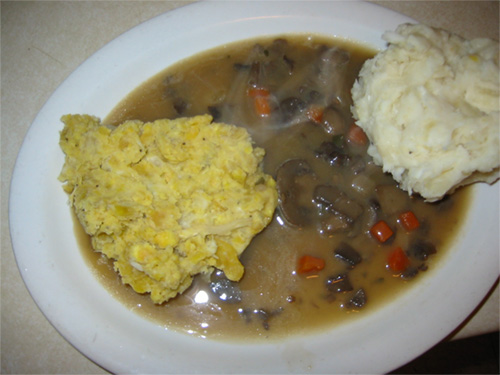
point(336, 201)
point(421, 249)
point(409, 273)
point(262, 314)
point(293, 179)
point(341, 211)
point(358, 300)
point(333, 153)
point(347, 254)
point(292, 109)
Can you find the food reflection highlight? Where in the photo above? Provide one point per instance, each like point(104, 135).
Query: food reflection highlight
point(201, 297)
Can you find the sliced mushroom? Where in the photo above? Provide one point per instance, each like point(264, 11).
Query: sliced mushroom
point(336, 201)
point(294, 179)
point(347, 254)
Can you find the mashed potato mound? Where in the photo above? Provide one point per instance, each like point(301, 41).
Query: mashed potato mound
point(166, 200)
point(429, 104)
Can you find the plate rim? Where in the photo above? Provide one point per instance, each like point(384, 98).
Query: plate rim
point(116, 364)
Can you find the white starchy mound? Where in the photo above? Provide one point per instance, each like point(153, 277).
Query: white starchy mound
point(429, 104)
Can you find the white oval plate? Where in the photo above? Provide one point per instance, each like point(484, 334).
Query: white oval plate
point(100, 327)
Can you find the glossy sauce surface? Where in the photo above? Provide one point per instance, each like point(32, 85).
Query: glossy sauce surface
point(274, 300)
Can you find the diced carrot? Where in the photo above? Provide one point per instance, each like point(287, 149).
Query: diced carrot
point(308, 263)
point(397, 260)
point(356, 135)
point(409, 221)
point(315, 113)
point(381, 231)
point(260, 100)
point(262, 106)
point(254, 92)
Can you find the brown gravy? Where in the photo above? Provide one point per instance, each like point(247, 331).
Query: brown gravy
point(276, 300)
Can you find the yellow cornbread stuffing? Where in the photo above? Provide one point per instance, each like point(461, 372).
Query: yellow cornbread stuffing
point(168, 199)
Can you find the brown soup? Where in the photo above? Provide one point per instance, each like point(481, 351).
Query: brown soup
point(293, 94)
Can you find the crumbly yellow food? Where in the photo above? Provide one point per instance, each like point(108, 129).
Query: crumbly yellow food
point(429, 104)
point(166, 200)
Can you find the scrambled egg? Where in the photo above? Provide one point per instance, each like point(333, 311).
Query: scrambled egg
point(166, 200)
